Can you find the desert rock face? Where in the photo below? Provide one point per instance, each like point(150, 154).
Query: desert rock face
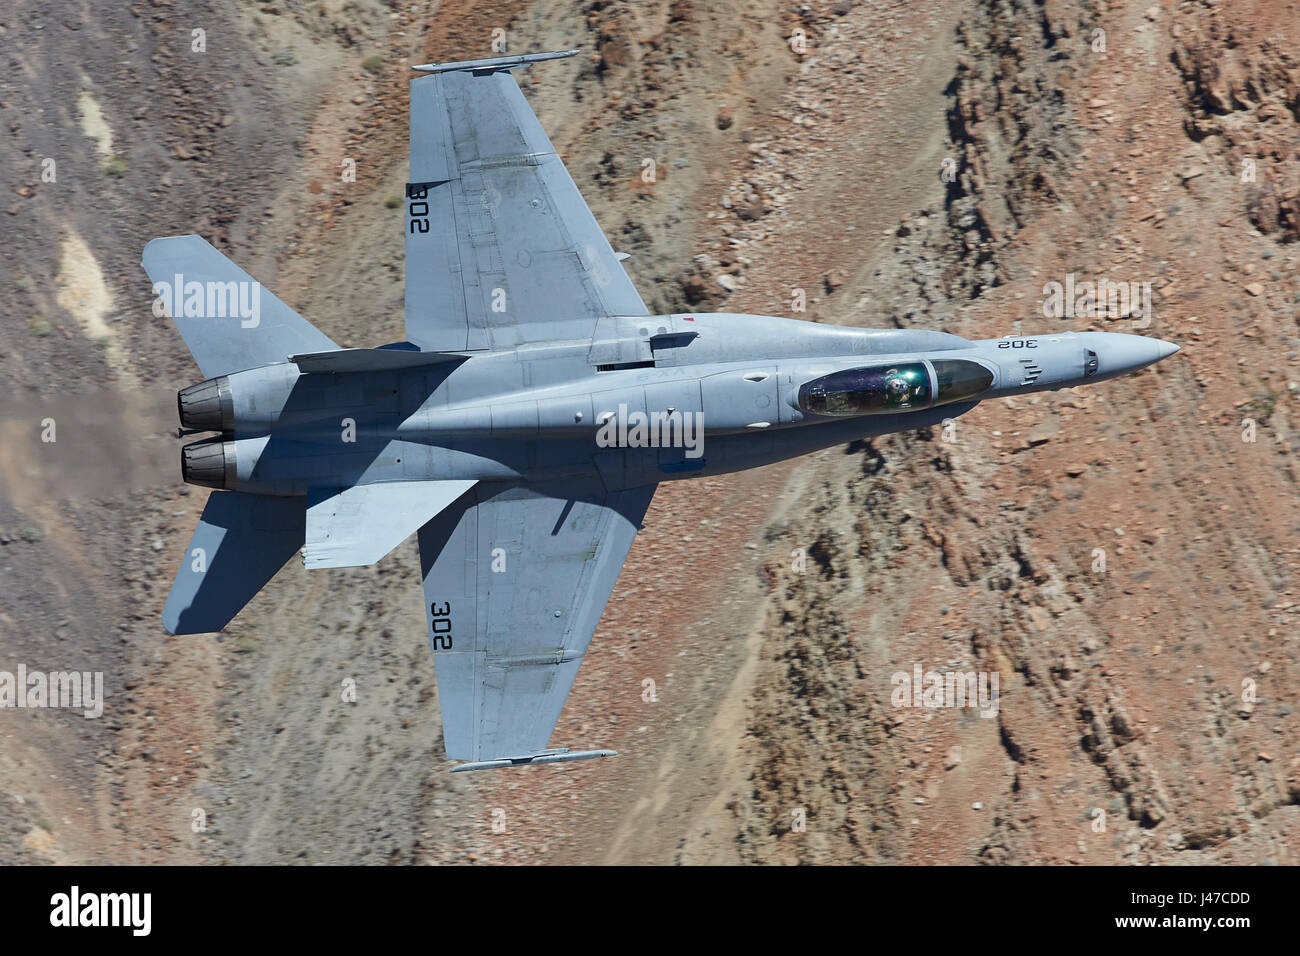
point(1122, 558)
point(1242, 91)
point(1122, 691)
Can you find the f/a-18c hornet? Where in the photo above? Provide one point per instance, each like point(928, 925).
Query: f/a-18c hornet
point(522, 427)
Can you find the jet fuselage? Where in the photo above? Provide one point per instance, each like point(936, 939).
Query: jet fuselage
point(648, 399)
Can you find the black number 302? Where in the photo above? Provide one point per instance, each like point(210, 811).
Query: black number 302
point(440, 625)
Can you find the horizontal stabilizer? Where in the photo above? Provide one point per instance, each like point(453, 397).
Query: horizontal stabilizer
point(241, 541)
point(356, 526)
point(546, 756)
point(370, 360)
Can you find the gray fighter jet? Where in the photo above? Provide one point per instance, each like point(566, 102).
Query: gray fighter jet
point(521, 428)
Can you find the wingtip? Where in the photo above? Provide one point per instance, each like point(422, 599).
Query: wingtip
point(496, 63)
point(561, 755)
point(174, 623)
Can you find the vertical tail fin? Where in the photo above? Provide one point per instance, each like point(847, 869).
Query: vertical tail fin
point(227, 319)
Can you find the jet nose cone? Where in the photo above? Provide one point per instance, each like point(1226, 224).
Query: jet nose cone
point(1120, 352)
point(1166, 349)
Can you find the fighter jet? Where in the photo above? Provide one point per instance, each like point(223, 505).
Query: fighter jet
point(521, 428)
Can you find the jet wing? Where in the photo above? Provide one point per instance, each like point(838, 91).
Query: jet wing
point(515, 580)
point(501, 249)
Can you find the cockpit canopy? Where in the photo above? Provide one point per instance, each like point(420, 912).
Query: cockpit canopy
point(875, 389)
point(895, 388)
point(958, 380)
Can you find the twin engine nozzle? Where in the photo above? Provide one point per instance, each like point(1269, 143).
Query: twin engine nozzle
point(207, 407)
point(210, 463)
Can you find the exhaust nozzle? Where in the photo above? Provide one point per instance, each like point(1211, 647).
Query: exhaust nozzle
point(210, 463)
point(207, 406)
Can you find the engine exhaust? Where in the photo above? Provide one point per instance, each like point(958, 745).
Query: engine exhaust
point(210, 463)
point(207, 406)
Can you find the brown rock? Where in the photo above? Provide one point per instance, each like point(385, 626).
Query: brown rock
point(694, 287)
point(833, 280)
